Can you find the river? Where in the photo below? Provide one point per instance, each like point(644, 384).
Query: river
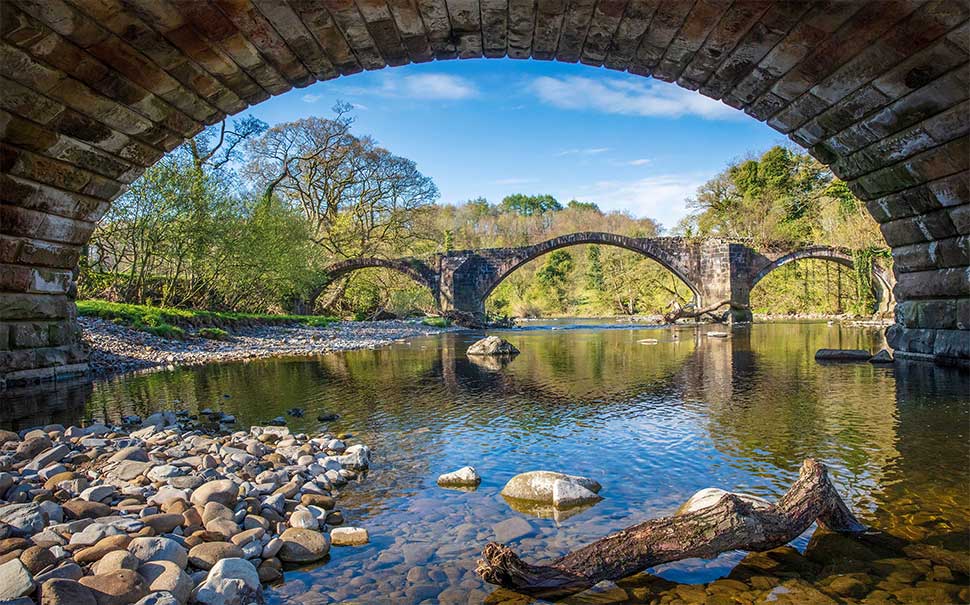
point(652, 422)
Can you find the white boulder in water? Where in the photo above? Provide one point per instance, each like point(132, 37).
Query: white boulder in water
point(492, 345)
point(567, 494)
point(466, 476)
point(712, 495)
point(540, 487)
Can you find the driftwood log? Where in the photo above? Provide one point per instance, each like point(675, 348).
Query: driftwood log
point(711, 311)
point(729, 524)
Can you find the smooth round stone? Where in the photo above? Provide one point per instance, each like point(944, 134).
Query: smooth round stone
point(223, 527)
point(304, 519)
point(215, 510)
point(303, 545)
point(102, 548)
point(167, 576)
point(114, 561)
point(163, 523)
point(349, 536)
point(149, 549)
point(54, 480)
point(269, 571)
point(223, 491)
point(37, 558)
point(116, 588)
point(272, 548)
point(335, 517)
point(98, 493)
point(466, 476)
point(537, 486)
point(207, 554)
point(231, 581)
point(60, 591)
point(250, 535)
point(83, 509)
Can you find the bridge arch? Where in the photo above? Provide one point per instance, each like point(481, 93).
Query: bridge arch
point(413, 268)
point(643, 246)
point(96, 91)
point(883, 282)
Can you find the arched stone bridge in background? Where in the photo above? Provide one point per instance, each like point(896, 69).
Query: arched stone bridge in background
point(715, 270)
point(95, 91)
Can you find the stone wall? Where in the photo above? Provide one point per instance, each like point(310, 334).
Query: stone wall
point(94, 91)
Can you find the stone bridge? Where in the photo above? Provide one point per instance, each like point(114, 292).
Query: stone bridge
point(715, 270)
point(95, 91)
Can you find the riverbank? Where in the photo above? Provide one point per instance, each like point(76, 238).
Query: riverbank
point(118, 349)
point(172, 508)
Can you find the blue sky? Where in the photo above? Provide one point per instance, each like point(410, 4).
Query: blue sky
point(494, 127)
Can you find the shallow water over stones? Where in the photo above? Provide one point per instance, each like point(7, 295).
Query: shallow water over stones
point(652, 424)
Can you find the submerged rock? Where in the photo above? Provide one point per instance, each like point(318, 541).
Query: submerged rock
point(492, 345)
point(849, 355)
point(466, 476)
point(538, 486)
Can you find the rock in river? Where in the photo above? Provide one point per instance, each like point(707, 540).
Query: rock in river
point(463, 477)
point(303, 545)
point(492, 345)
point(567, 494)
point(842, 355)
point(537, 486)
point(711, 495)
point(348, 536)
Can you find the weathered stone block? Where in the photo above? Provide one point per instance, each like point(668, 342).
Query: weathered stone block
point(30, 335)
point(937, 283)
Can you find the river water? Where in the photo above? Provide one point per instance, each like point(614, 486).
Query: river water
point(653, 423)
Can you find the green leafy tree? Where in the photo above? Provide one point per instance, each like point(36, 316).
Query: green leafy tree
point(529, 205)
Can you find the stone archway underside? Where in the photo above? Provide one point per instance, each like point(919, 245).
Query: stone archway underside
point(94, 91)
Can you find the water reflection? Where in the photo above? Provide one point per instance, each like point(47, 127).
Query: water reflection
point(652, 423)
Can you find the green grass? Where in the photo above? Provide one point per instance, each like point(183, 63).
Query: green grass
point(436, 322)
point(167, 322)
point(214, 334)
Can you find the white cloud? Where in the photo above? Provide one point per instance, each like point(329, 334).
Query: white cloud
point(417, 86)
point(311, 98)
point(591, 151)
point(662, 197)
point(639, 162)
point(612, 95)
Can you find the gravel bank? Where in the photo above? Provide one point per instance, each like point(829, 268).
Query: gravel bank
point(116, 348)
point(167, 510)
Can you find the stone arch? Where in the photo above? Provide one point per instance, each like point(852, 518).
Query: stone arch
point(643, 246)
point(882, 282)
point(415, 269)
point(96, 91)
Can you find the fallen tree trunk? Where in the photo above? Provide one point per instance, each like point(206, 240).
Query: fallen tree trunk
point(729, 524)
point(681, 313)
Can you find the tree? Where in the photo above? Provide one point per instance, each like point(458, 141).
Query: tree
point(583, 206)
point(359, 198)
point(530, 205)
